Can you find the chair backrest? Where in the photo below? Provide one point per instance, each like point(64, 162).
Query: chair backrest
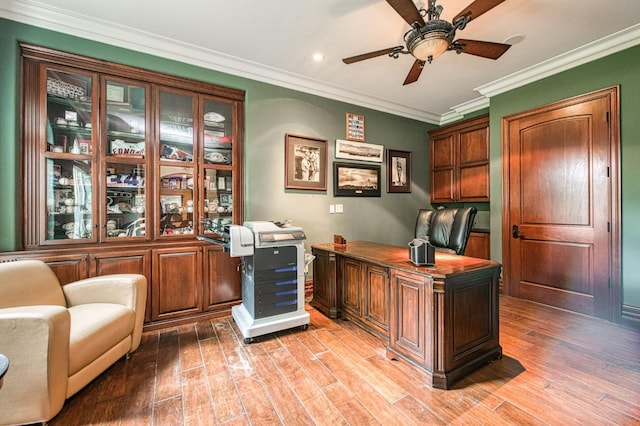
point(448, 229)
point(29, 283)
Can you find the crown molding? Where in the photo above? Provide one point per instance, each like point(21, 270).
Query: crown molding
point(69, 22)
point(600, 48)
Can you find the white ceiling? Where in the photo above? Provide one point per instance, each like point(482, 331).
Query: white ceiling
point(274, 40)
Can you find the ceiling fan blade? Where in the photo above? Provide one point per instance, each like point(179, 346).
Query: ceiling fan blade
point(407, 10)
point(370, 55)
point(485, 49)
point(414, 72)
point(477, 8)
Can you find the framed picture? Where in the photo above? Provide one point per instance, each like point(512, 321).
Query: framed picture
point(355, 127)
point(359, 151)
point(117, 94)
point(226, 200)
point(398, 171)
point(356, 180)
point(305, 163)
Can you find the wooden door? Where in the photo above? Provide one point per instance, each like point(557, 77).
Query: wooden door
point(560, 196)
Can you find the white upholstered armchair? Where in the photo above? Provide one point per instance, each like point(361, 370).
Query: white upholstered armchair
point(59, 338)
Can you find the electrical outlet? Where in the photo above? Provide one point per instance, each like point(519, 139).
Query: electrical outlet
point(339, 208)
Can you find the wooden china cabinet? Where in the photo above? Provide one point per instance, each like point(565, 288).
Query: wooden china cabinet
point(123, 168)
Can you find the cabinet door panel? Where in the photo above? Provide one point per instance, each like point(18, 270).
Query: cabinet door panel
point(177, 282)
point(478, 245)
point(443, 152)
point(442, 186)
point(474, 183)
point(352, 286)
point(223, 280)
point(376, 293)
point(411, 322)
point(121, 262)
point(474, 145)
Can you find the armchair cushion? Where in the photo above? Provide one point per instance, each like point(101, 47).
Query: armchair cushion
point(90, 338)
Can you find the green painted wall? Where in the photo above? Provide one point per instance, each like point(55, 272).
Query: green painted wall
point(618, 69)
point(271, 112)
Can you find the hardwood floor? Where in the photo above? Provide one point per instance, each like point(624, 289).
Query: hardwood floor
point(558, 368)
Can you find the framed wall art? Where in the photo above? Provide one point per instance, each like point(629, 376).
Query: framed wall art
point(355, 127)
point(356, 180)
point(398, 171)
point(305, 163)
point(359, 151)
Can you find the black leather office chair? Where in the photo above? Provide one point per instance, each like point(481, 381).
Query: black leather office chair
point(448, 229)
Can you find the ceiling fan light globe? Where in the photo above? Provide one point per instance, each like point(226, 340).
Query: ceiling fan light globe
point(430, 47)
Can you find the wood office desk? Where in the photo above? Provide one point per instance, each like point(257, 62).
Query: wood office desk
point(443, 319)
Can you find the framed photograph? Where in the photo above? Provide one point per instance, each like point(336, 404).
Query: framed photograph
point(398, 171)
point(355, 127)
point(117, 94)
point(356, 180)
point(226, 200)
point(305, 163)
point(359, 151)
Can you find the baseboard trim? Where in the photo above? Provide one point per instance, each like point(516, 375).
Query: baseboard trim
point(631, 316)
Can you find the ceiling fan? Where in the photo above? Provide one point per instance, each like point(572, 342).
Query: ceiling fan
point(426, 40)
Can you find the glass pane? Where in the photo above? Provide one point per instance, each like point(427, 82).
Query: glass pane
point(69, 121)
point(176, 127)
point(177, 205)
point(69, 214)
point(218, 133)
point(126, 120)
point(218, 199)
point(126, 200)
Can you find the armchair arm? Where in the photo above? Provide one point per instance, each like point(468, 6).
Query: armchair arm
point(36, 339)
point(129, 290)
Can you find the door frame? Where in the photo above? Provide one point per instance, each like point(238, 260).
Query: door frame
point(615, 270)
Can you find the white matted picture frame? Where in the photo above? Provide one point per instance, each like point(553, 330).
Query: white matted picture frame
point(305, 163)
point(355, 127)
point(359, 151)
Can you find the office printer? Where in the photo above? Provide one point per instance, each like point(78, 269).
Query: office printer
point(273, 264)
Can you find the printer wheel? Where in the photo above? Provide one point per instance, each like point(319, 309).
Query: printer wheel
point(247, 340)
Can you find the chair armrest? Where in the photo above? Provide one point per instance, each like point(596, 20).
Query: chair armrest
point(36, 340)
point(129, 290)
point(122, 289)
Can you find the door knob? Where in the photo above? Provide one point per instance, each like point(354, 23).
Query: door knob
point(515, 231)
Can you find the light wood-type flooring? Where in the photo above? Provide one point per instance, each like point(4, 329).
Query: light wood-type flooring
point(558, 368)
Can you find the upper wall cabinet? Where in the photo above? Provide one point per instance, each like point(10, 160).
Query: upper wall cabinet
point(460, 162)
point(120, 154)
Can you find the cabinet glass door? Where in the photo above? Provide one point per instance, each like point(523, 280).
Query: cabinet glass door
point(69, 200)
point(218, 199)
point(177, 165)
point(68, 156)
point(125, 169)
point(218, 163)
